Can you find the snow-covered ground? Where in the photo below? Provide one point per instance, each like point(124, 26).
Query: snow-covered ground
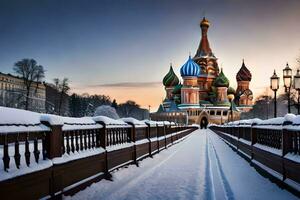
point(200, 167)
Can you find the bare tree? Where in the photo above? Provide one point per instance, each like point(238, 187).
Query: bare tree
point(63, 87)
point(30, 72)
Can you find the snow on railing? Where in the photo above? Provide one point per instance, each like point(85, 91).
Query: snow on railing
point(280, 134)
point(272, 144)
point(28, 140)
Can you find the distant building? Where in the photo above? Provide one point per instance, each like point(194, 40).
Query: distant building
point(53, 97)
point(203, 94)
point(13, 93)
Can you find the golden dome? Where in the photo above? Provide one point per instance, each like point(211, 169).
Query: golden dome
point(204, 22)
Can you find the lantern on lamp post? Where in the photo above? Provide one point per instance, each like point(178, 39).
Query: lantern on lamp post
point(274, 85)
point(231, 98)
point(287, 80)
point(297, 87)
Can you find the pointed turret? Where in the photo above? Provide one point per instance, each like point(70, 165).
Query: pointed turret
point(204, 48)
point(244, 74)
point(204, 56)
point(170, 79)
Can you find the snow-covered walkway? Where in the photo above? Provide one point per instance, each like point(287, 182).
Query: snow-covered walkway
point(200, 167)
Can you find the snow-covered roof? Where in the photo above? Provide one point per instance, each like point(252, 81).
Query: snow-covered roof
point(109, 122)
point(16, 120)
point(137, 123)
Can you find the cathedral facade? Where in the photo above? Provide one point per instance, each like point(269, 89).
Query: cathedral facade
point(204, 94)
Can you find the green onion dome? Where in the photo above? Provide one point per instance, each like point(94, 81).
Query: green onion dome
point(177, 89)
point(231, 90)
point(170, 78)
point(221, 80)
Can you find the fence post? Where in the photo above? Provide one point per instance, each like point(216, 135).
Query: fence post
point(102, 141)
point(285, 145)
point(133, 139)
point(157, 135)
point(253, 138)
point(285, 138)
point(165, 135)
point(54, 140)
point(102, 136)
point(149, 138)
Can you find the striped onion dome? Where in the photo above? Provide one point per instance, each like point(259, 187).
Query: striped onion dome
point(221, 80)
point(170, 78)
point(190, 68)
point(244, 74)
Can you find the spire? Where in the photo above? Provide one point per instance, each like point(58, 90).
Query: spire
point(204, 48)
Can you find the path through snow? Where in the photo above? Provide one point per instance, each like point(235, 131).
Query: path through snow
point(200, 167)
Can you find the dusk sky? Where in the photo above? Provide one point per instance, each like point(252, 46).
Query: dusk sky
point(123, 48)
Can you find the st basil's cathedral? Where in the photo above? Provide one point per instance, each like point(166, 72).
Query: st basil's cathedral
point(205, 94)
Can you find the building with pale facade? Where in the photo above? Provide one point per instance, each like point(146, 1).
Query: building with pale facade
point(13, 93)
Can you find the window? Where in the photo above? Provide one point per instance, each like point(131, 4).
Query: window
point(219, 112)
point(212, 112)
point(225, 112)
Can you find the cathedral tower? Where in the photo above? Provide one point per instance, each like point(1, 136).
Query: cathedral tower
point(170, 81)
point(244, 95)
point(207, 61)
point(189, 91)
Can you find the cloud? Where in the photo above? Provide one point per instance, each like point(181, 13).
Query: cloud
point(129, 84)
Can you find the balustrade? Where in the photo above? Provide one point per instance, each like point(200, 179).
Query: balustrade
point(27, 145)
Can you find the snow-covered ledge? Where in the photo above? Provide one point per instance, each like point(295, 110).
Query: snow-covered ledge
point(135, 122)
point(111, 123)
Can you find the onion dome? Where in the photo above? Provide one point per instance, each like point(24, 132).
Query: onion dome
point(190, 68)
point(244, 74)
point(231, 90)
point(177, 89)
point(221, 80)
point(204, 22)
point(170, 78)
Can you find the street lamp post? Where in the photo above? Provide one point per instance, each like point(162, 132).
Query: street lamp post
point(287, 80)
point(297, 87)
point(230, 98)
point(274, 86)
